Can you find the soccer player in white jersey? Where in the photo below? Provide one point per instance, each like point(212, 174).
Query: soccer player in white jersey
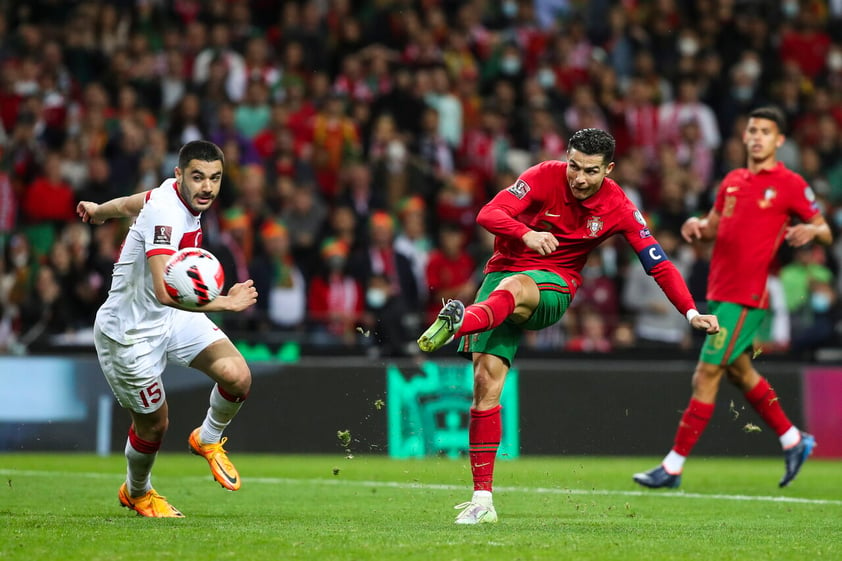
point(140, 328)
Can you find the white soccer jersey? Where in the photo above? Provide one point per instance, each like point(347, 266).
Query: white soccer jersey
point(165, 224)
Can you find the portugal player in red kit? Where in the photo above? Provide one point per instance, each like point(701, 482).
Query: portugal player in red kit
point(545, 225)
point(749, 221)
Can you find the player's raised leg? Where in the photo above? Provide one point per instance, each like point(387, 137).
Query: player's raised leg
point(224, 363)
point(454, 320)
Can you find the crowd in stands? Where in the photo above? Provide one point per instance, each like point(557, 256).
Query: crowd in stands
point(362, 136)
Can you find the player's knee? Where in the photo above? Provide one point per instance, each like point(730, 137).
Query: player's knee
point(487, 388)
point(706, 377)
point(512, 285)
point(235, 375)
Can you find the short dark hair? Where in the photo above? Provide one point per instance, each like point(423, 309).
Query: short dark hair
point(593, 141)
point(201, 150)
point(771, 113)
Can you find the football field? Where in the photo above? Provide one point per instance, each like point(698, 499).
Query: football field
point(64, 507)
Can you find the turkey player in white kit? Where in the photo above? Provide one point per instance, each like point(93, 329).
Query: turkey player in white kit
point(140, 328)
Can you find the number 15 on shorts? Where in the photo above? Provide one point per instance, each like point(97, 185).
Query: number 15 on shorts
point(152, 394)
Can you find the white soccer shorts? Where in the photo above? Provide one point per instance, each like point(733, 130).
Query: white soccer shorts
point(134, 371)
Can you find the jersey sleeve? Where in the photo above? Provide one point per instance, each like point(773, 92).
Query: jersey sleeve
point(498, 215)
point(161, 226)
point(719, 200)
point(654, 260)
point(803, 202)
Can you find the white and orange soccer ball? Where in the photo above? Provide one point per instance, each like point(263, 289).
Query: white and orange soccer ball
point(193, 277)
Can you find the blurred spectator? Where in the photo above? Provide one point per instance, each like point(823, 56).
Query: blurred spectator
point(220, 48)
point(685, 107)
point(656, 324)
point(448, 107)
point(252, 115)
point(278, 279)
point(593, 335)
point(380, 258)
point(358, 193)
point(45, 313)
point(186, 123)
point(414, 240)
point(47, 203)
point(226, 130)
point(450, 270)
point(304, 218)
point(336, 142)
point(335, 299)
point(807, 267)
point(642, 116)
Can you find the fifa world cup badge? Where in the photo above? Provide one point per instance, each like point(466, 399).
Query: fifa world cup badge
point(594, 226)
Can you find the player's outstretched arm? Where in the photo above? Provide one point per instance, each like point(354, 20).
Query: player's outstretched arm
point(121, 207)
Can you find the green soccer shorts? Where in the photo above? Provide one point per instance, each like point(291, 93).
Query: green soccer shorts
point(738, 326)
point(504, 340)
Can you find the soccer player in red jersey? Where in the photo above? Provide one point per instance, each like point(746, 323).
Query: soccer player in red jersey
point(749, 221)
point(545, 224)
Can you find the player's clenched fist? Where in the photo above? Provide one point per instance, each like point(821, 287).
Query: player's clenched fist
point(242, 295)
point(87, 211)
point(705, 322)
point(543, 243)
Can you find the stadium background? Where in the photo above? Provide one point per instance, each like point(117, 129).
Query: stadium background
point(367, 133)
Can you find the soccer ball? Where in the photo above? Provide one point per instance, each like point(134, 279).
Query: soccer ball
point(193, 277)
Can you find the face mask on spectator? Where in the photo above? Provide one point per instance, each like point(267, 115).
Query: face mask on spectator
point(510, 9)
point(376, 297)
point(546, 78)
point(688, 46)
point(834, 61)
point(820, 302)
point(742, 93)
point(510, 65)
point(790, 8)
point(751, 68)
point(335, 262)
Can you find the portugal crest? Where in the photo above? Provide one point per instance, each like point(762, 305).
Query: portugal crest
point(594, 226)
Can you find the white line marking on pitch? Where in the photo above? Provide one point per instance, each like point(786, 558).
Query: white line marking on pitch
point(449, 487)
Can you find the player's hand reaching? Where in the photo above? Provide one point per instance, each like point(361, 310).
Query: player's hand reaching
point(241, 296)
point(542, 243)
point(87, 212)
point(706, 322)
point(691, 230)
point(800, 234)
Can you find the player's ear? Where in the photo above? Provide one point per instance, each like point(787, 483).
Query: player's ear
point(609, 167)
point(177, 172)
point(780, 141)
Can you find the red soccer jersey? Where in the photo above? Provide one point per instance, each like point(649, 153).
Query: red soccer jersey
point(755, 211)
point(541, 200)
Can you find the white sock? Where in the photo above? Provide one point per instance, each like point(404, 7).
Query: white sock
point(674, 462)
point(482, 497)
point(138, 470)
point(219, 415)
point(790, 438)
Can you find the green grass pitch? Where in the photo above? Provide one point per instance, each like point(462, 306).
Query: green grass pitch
point(64, 507)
